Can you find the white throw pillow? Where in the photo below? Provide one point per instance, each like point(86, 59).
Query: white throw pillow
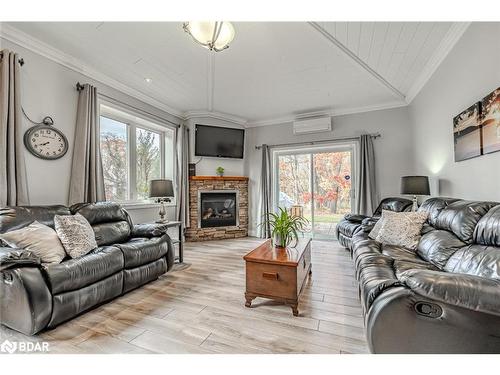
point(40, 239)
point(76, 234)
point(402, 228)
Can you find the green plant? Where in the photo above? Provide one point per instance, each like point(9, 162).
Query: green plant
point(284, 227)
point(220, 171)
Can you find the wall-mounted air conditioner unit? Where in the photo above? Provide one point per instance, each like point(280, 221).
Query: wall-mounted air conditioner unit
point(312, 125)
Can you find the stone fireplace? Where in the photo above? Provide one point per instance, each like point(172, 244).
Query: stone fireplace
point(218, 207)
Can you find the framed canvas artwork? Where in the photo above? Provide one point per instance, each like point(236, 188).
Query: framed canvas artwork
point(467, 133)
point(490, 122)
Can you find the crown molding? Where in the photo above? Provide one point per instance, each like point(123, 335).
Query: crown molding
point(215, 115)
point(453, 35)
point(331, 113)
point(43, 49)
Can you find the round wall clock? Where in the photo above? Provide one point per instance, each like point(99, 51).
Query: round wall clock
point(46, 142)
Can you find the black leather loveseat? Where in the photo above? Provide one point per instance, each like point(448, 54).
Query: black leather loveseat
point(444, 298)
point(351, 223)
point(35, 296)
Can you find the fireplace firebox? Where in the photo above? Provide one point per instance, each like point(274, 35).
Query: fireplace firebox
point(217, 208)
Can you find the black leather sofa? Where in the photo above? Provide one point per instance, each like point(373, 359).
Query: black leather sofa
point(351, 223)
point(34, 297)
point(445, 298)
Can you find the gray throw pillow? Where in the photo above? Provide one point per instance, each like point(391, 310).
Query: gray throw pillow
point(402, 228)
point(40, 239)
point(76, 234)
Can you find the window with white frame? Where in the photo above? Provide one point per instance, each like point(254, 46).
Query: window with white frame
point(134, 150)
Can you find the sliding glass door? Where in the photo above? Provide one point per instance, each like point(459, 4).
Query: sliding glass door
point(317, 183)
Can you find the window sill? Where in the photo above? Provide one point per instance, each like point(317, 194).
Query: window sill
point(143, 205)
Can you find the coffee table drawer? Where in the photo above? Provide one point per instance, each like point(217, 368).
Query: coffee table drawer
point(271, 280)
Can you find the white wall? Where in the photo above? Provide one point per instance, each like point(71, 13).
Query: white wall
point(393, 151)
point(49, 90)
point(468, 73)
point(206, 166)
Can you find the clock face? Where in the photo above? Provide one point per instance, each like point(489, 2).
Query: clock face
point(46, 142)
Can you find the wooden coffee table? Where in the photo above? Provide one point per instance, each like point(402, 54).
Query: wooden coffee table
point(278, 273)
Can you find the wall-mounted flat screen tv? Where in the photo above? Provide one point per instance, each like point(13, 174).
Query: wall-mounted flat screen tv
point(219, 142)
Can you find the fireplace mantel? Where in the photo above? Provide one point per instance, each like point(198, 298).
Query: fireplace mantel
point(218, 178)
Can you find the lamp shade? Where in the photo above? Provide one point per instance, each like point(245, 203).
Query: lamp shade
point(415, 185)
point(161, 189)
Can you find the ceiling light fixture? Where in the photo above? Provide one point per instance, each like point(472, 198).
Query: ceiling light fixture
point(148, 80)
point(214, 36)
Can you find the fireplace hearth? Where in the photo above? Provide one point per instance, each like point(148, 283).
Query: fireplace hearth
point(217, 208)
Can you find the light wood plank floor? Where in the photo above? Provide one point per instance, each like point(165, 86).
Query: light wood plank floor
point(200, 309)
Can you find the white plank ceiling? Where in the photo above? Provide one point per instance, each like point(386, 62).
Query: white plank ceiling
point(271, 71)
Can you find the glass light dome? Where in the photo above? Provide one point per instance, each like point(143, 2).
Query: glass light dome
point(213, 35)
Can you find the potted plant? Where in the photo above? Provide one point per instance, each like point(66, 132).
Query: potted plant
point(284, 227)
point(220, 171)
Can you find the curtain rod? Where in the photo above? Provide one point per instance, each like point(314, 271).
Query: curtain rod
point(374, 136)
point(20, 61)
point(79, 87)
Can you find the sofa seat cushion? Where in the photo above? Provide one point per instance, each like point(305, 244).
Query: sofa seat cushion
point(77, 273)
point(400, 253)
point(139, 251)
point(403, 265)
point(347, 228)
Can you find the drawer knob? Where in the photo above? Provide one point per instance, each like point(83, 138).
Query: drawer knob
point(270, 275)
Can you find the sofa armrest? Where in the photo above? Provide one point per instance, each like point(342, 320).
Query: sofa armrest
point(149, 230)
point(467, 291)
point(368, 224)
point(355, 218)
point(12, 257)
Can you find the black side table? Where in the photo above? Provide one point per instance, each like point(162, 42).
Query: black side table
point(179, 241)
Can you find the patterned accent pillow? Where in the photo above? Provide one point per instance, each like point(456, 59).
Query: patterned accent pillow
point(76, 234)
point(402, 228)
point(38, 238)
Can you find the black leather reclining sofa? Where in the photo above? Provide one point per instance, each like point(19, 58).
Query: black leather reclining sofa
point(443, 298)
point(351, 223)
point(34, 297)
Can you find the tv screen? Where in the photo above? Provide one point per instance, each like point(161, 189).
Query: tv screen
point(219, 142)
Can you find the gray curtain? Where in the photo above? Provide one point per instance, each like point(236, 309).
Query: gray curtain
point(183, 153)
point(87, 181)
point(264, 231)
point(13, 185)
point(366, 198)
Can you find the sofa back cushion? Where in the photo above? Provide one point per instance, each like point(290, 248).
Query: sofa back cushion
point(487, 230)
point(110, 222)
point(12, 218)
point(461, 218)
point(477, 260)
point(437, 246)
point(434, 206)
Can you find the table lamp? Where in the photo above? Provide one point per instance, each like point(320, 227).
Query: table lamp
point(415, 185)
point(162, 190)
